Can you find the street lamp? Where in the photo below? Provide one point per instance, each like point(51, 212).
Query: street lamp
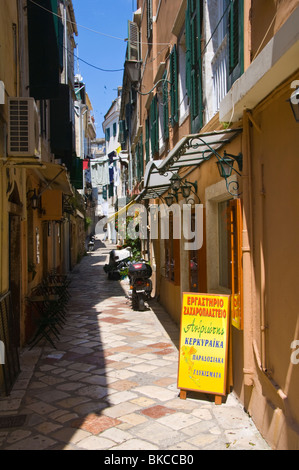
point(184, 187)
point(226, 164)
point(33, 199)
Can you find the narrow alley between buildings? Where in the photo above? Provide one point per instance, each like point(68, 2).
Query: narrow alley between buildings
point(111, 384)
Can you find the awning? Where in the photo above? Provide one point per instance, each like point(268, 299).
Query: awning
point(194, 149)
point(155, 183)
point(54, 177)
point(191, 151)
point(121, 211)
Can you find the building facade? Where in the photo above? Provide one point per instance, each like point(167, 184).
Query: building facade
point(41, 212)
point(208, 123)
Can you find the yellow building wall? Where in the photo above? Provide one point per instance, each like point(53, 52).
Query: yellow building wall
point(275, 167)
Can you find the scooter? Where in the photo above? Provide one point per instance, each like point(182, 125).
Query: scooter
point(91, 243)
point(118, 262)
point(140, 284)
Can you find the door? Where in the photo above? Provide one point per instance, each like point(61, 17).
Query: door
point(235, 219)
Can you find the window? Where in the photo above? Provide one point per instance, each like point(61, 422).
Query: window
point(107, 134)
point(114, 129)
point(193, 63)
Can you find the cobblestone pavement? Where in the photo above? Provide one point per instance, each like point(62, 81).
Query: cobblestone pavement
point(111, 384)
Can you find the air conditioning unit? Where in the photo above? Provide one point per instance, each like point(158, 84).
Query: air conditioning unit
point(23, 128)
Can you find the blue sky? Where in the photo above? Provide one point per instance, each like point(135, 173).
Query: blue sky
point(110, 18)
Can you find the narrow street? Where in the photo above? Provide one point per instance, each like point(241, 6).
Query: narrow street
point(111, 384)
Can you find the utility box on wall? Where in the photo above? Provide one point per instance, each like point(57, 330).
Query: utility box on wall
point(51, 203)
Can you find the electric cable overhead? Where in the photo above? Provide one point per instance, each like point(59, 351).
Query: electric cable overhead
point(99, 68)
point(93, 30)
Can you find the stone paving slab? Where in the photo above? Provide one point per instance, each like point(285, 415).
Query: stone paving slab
point(111, 384)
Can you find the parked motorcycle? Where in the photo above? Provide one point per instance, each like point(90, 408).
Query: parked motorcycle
point(91, 243)
point(140, 284)
point(118, 263)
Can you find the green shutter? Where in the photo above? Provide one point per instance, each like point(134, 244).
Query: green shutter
point(188, 52)
point(121, 126)
point(165, 107)
point(147, 140)
point(141, 156)
point(76, 173)
point(105, 192)
point(154, 119)
point(194, 63)
point(236, 41)
point(174, 86)
point(139, 159)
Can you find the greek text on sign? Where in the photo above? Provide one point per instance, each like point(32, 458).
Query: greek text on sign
point(204, 343)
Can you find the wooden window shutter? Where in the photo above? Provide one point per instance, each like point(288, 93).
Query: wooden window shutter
point(154, 126)
point(121, 126)
point(165, 107)
point(133, 42)
point(188, 52)
point(236, 41)
point(174, 86)
point(149, 18)
point(236, 227)
point(140, 151)
point(193, 63)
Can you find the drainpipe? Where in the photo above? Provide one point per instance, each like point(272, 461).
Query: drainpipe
point(248, 310)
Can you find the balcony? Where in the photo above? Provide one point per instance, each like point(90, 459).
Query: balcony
point(219, 70)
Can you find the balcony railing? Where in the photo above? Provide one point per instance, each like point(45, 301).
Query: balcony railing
point(219, 68)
